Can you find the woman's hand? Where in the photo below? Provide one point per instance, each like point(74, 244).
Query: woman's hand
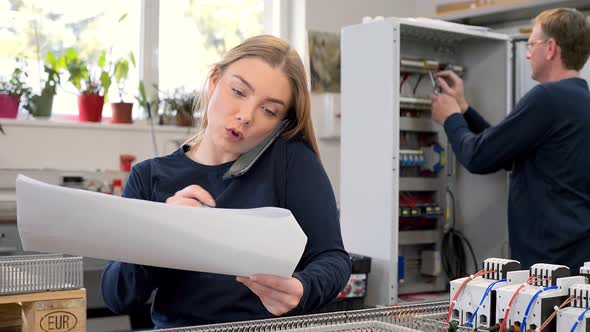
point(278, 295)
point(192, 196)
point(454, 89)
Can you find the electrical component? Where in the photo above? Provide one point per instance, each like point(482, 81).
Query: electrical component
point(411, 157)
point(502, 267)
point(475, 306)
point(547, 274)
point(529, 304)
point(434, 156)
point(430, 262)
point(417, 210)
point(576, 317)
point(419, 104)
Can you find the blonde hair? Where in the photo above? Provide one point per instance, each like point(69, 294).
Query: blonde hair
point(571, 31)
point(278, 54)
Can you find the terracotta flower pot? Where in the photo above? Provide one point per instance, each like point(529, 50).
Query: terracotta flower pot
point(8, 106)
point(122, 112)
point(184, 120)
point(90, 107)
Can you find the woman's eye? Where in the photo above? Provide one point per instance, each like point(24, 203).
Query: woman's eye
point(269, 112)
point(237, 92)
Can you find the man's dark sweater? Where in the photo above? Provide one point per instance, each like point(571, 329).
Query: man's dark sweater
point(288, 175)
point(545, 141)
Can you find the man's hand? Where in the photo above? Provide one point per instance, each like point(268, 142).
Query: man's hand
point(443, 106)
point(278, 295)
point(192, 196)
point(454, 88)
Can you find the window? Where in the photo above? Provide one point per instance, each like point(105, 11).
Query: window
point(194, 34)
point(29, 29)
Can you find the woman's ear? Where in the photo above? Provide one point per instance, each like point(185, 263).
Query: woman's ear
point(213, 80)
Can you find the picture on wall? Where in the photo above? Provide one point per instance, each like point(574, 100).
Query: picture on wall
point(324, 59)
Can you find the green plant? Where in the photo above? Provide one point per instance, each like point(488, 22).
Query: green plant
point(121, 73)
point(86, 81)
point(179, 101)
point(149, 105)
point(16, 86)
point(52, 67)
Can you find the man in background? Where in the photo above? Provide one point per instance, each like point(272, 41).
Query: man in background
point(544, 141)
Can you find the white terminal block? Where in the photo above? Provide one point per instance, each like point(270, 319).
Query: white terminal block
point(567, 317)
point(472, 294)
point(542, 306)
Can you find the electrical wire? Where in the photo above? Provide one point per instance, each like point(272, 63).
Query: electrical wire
point(460, 289)
point(454, 258)
point(488, 290)
point(420, 76)
point(530, 305)
point(554, 313)
point(404, 78)
point(528, 281)
point(579, 319)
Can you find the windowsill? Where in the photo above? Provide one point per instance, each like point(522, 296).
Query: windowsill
point(137, 125)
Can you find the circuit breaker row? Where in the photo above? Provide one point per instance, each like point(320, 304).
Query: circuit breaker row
point(502, 297)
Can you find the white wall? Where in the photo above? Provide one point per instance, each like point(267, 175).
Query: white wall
point(331, 16)
point(42, 144)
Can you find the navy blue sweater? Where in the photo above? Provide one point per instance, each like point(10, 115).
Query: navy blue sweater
point(545, 141)
point(288, 175)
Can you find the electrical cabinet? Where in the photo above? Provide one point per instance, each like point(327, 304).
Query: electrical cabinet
point(390, 183)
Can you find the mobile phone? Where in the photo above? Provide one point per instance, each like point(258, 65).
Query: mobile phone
point(245, 162)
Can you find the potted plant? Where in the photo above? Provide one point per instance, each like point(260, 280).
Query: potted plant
point(91, 87)
point(122, 111)
point(150, 106)
point(41, 105)
point(14, 92)
point(179, 104)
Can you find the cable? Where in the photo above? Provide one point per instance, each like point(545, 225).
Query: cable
point(579, 319)
point(554, 313)
point(405, 77)
point(488, 290)
point(530, 305)
point(420, 76)
point(453, 253)
point(503, 325)
point(460, 289)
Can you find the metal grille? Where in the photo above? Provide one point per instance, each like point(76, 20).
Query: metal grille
point(405, 318)
point(36, 273)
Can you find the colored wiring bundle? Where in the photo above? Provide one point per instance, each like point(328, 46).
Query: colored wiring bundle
point(460, 289)
point(483, 298)
point(530, 305)
point(554, 313)
point(454, 258)
point(530, 280)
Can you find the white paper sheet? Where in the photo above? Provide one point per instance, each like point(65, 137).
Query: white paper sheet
point(228, 241)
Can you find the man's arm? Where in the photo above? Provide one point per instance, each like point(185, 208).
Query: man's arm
point(496, 147)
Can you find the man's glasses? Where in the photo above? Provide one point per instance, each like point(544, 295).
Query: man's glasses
point(531, 45)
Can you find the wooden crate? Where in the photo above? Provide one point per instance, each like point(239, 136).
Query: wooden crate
point(59, 311)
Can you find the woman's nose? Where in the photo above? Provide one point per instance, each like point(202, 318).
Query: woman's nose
point(245, 115)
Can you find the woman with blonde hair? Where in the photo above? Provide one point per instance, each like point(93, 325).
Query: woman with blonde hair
point(258, 86)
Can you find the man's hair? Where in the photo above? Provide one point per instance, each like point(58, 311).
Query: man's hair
point(571, 30)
